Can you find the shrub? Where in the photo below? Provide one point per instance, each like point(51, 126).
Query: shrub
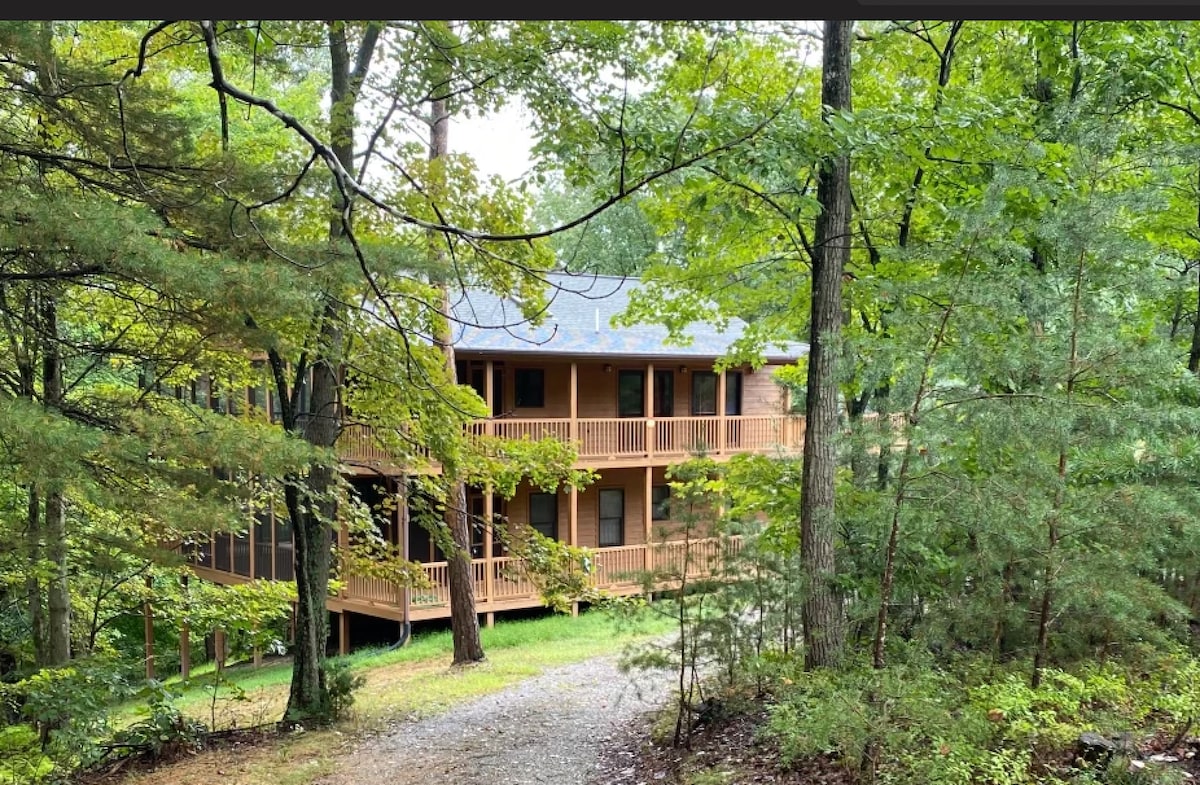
point(166, 731)
point(342, 683)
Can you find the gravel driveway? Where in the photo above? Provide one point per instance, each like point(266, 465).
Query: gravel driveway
point(548, 729)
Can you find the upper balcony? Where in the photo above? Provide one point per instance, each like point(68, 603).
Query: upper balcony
point(602, 408)
point(613, 441)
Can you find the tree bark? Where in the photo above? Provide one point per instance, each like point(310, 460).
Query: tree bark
point(464, 621)
point(311, 505)
point(824, 619)
point(58, 595)
point(33, 584)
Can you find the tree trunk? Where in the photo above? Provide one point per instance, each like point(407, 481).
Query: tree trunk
point(58, 596)
point(311, 506)
point(824, 621)
point(464, 621)
point(33, 584)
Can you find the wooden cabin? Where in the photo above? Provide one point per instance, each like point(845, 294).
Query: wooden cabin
point(631, 403)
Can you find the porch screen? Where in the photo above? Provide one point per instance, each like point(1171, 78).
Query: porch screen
point(612, 517)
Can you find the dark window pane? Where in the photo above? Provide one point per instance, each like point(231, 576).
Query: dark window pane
point(612, 517)
point(631, 394)
point(704, 393)
point(543, 513)
point(530, 387)
point(664, 394)
point(660, 503)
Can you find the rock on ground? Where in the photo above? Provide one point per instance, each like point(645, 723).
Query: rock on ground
point(549, 729)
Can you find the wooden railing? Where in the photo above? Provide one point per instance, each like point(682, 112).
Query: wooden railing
point(620, 569)
point(615, 438)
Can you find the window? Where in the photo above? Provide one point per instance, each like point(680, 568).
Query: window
point(733, 393)
point(660, 503)
point(664, 393)
point(530, 386)
point(612, 517)
point(543, 513)
point(704, 393)
point(631, 394)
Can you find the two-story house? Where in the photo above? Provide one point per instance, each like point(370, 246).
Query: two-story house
point(631, 404)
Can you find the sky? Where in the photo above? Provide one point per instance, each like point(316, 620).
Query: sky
point(499, 143)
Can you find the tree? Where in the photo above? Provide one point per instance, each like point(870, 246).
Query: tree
point(823, 614)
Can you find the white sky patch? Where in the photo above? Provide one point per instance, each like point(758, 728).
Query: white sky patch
point(499, 142)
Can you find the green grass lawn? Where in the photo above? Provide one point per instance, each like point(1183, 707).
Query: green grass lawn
point(415, 679)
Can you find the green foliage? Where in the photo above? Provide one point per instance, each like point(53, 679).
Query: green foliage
point(166, 731)
point(342, 682)
point(68, 708)
point(21, 756)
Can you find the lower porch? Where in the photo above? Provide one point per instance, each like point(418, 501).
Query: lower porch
point(502, 585)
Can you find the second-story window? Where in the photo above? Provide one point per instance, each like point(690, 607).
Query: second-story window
point(631, 394)
point(704, 393)
point(530, 386)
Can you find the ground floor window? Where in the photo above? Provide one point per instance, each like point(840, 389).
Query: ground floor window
point(612, 517)
point(660, 503)
point(543, 513)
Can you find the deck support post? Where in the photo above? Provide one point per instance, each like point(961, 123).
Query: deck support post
point(489, 570)
point(343, 633)
point(574, 609)
point(253, 545)
point(490, 619)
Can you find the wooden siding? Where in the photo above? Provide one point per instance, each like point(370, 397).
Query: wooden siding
point(761, 394)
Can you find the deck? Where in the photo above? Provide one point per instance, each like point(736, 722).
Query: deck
point(619, 441)
point(501, 585)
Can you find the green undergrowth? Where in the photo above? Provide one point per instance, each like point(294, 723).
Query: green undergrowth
point(969, 722)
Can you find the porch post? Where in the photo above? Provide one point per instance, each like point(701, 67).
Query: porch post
point(343, 633)
point(253, 544)
point(648, 516)
point(489, 395)
point(402, 536)
point(574, 401)
point(274, 544)
point(721, 425)
point(649, 405)
point(489, 576)
point(343, 543)
point(573, 516)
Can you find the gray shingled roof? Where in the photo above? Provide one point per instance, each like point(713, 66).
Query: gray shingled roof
point(580, 323)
